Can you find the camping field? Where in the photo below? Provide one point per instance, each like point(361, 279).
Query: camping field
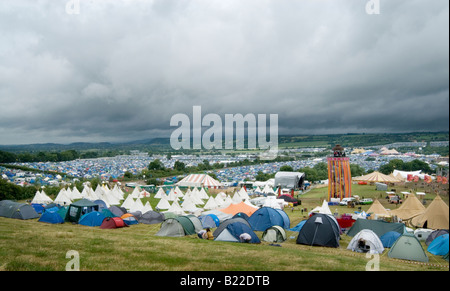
point(28, 245)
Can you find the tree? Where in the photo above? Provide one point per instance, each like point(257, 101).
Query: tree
point(179, 166)
point(156, 165)
point(286, 168)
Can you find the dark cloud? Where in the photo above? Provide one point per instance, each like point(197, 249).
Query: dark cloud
point(120, 69)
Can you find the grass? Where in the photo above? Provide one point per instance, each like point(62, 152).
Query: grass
point(34, 246)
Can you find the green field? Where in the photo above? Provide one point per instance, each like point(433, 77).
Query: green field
point(31, 245)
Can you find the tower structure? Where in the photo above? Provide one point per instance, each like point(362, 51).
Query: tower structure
point(339, 174)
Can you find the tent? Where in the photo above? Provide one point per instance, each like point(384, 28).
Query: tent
point(224, 224)
point(152, 217)
point(410, 208)
point(435, 215)
point(408, 247)
point(380, 227)
point(320, 230)
point(129, 219)
point(299, 226)
point(434, 235)
point(113, 222)
point(241, 214)
point(422, 233)
point(439, 246)
point(117, 211)
point(93, 218)
point(289, 180)
point(239, 207)
point(233, 230)
point(266, 217)
point(366, 241)
point(389, 238)
point(196, 222)
point(51, 216)
point(376, 177)
point(207, 221)
point(199, 180)
point(275, 234)
point(176, 227)
point(376, 210)
point(79, 208)
point(11, 209)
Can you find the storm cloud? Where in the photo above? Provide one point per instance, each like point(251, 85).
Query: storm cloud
point(119, 70)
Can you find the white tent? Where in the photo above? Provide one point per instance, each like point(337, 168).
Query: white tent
point(75, 194)
point(40, 198)
point(163, 203)
point(160, 193)
point(128, 203)
point(176, 208)
point(366, 241)
point(236, 198)
point(211, 203)
point(325, 209)
point(243, 193)
point(62, 198)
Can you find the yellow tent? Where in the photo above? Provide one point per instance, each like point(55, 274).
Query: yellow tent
point(376, 209)
point(410, 208)
point(377, 177)
point(434, 217)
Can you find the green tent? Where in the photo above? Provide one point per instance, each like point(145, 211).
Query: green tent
point(177, 226)
point(79, 208)
point(274, 234)
point(379, 227)
point(11, 209)
point(408, 247)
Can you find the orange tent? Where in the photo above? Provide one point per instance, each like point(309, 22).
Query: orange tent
point(239, 207)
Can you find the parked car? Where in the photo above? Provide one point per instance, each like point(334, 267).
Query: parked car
point(366, 201)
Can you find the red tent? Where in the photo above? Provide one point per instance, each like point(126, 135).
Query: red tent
point(113, 222)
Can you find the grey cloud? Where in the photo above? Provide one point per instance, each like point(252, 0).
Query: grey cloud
point(120, 69)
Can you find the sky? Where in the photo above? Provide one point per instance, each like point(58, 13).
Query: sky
point(94, 71)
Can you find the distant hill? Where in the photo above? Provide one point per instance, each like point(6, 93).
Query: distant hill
point(284, 141)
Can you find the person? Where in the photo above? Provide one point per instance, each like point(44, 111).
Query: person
point(201, 233)
point(208, 234)
point(245, 237)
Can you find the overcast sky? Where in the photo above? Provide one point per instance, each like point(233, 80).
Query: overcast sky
point(119, 70)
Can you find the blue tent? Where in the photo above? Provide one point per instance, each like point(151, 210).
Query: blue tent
point(216, 219)
point(207, 221)
point(93, 218)
point(266, 217)
point(233, 230)
point(299, 226)
point(439, 246)
point(51, 216)
point(389, 238)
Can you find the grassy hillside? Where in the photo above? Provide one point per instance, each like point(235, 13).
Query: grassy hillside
point(32, 245)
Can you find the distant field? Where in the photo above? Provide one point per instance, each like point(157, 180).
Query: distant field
point(32, 245)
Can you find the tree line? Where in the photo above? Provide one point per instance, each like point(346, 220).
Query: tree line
point(63, 156)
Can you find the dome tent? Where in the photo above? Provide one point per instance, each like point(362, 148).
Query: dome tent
point(408, 247)
point(176, 227)
point(320, 230)
point(266, 217)
point(93, 218)
point(51, 216)
point(11, 209)
point(274, 234)
point(232, 232)
point(366, 241)
point(388, 239)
